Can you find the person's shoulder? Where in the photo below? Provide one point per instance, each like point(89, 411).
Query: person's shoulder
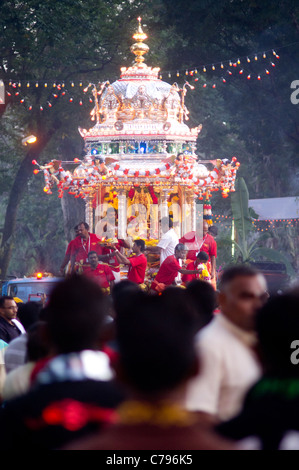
point(211, 333)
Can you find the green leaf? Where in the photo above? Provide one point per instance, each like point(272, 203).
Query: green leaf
point(273, 255)
point(239, 203)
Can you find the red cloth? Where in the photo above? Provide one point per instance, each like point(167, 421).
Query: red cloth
point(102, 274)
point(81, 247)
point(113, 261)
point(39, 365)
point(194, 244)
point(70, 246)
point(137, 268)
point(190, 277)
point(168, 272)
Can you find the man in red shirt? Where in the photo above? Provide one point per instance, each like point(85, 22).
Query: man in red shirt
point(169, 270)
point(137, 263)
point(196, 242)
point(83, 244)
point(100, 273)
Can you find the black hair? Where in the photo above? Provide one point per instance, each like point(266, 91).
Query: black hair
point(122, 292)
point(232, 272)
point(140, 243)
point(204, 299)
point(75, 314)
point(28, 313)
point(156, 342)
point(93, 253)
point(3, 298)
point(203, 256)
point(37, 348)
point(85, 225)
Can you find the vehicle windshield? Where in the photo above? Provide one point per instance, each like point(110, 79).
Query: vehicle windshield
point(30, 290)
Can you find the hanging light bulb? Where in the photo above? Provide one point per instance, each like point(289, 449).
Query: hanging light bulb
point(264, 55)
point(248, 60)
point(204, 69)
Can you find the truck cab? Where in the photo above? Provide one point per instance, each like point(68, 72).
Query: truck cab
point(26, 289)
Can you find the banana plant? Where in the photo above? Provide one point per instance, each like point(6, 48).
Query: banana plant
point(243, 221)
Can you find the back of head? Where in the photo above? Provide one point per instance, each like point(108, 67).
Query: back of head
point(202, 256)
point(277, 325)
point(140, 243)
point(28, 313)
point(37, 348)
point(203, 296)
point(75, 314)
point(156, 344)
point(122, 293)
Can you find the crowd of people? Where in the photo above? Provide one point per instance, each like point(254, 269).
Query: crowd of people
point(187, 369)
point(165, 368)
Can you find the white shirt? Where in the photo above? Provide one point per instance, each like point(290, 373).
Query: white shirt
point(228, 368)
point(168, 243)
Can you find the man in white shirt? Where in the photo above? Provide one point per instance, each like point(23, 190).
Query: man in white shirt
point(227, 347)
point(168, 242)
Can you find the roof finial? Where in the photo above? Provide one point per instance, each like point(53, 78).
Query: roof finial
point(139, 48)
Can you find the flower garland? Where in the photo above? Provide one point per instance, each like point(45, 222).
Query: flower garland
point(89, 174)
